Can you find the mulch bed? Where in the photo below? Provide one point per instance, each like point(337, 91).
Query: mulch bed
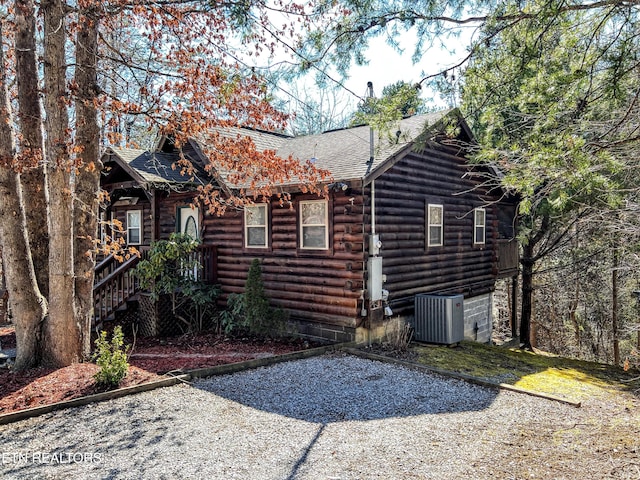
point(150, 358)
point(7, 337)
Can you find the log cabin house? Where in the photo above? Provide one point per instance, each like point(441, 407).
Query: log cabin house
point(403, 218)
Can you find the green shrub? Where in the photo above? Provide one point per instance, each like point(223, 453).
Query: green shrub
point(171, 269)
point(232, 318)
point(111, 357)
point(250, 312)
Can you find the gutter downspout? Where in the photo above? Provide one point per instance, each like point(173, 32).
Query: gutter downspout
point(373, 208)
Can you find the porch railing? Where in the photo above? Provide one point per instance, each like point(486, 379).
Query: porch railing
point(113, 290)
point(508, 257)
point(206, 256)
point(115, 283)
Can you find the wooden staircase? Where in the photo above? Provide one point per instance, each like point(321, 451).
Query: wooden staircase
point(116, 286)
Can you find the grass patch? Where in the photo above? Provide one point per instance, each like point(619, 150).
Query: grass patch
point(568, 378)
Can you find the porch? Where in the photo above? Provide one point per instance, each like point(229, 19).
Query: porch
point(116, 287)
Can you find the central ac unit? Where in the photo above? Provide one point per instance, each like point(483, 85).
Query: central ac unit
point(438, 318)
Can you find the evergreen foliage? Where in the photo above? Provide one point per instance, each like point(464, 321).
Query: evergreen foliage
point(398, 100)
point(171, 268)
point(250, 311)
point(553, 102)
point(111, 357)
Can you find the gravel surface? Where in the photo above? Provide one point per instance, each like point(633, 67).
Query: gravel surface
point(329, 417)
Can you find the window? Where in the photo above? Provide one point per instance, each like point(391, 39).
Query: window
point(314, 231)
point(479, 226)
point(134, 227)
point(255, 226)
point(434, 225)
point(187, 221)
point(102, 227)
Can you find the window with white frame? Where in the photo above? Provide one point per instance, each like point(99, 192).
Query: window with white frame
point(134, 227)
point(435, 214)
point(314, 225)
point(102, 227)
point(255, 226)
point(479, 226)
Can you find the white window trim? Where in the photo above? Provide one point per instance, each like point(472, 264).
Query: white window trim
point(476, 226)
point(102, 227)
point(180, 217)
point(129, 228)
point(265, 226)
point(440, 241)
point(325, 224)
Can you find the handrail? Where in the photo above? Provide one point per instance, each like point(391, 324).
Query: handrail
point(111, 263)
point(104, 263)
point(105, 267)
point(114, 290)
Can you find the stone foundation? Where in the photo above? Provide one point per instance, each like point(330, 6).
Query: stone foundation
point(478, 318)
point(321, 332)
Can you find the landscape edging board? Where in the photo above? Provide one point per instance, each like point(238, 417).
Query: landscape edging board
point(262, 362)
point(165, 382)
point(96, 397)
point(460, 376)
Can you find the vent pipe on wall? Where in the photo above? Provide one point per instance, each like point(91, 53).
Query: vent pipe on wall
point(371, 153)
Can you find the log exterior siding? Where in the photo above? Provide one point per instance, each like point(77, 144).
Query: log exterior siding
point(168, 204)
point(402, 194)
point(120, 214)
point(328, 289)
point(319, 285)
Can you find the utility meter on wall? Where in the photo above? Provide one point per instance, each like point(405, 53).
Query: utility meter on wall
point(375, 245)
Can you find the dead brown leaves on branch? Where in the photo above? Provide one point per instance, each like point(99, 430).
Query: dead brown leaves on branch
point(197, 85)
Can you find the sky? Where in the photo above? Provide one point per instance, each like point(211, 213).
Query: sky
point(387, 66)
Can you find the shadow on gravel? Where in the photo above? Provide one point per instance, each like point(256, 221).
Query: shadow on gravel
point(76, 450)
point(339, 388)
point(151, 437)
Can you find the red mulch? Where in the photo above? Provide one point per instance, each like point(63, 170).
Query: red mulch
point(150, 357)
point(7, 337)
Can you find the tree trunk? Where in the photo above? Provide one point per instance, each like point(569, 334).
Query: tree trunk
point(3, 289)
point(27, 305)
point(62, 343)
point(573, 303)
point(527, 295)
point(31, 144)
point(614, 305)
point(87, 181)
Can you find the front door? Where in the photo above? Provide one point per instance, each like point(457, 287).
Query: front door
point(188, 223)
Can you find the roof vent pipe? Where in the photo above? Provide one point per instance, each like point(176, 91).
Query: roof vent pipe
point(370, 162)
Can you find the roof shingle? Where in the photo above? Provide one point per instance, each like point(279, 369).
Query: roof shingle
point(344, 153)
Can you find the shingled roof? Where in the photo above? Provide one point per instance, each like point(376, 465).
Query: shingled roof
point(344, 153)
point(157, 167)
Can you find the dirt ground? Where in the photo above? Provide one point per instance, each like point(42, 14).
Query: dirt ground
point(150, 358)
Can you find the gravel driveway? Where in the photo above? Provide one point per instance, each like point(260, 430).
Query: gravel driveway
point(330, 417)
